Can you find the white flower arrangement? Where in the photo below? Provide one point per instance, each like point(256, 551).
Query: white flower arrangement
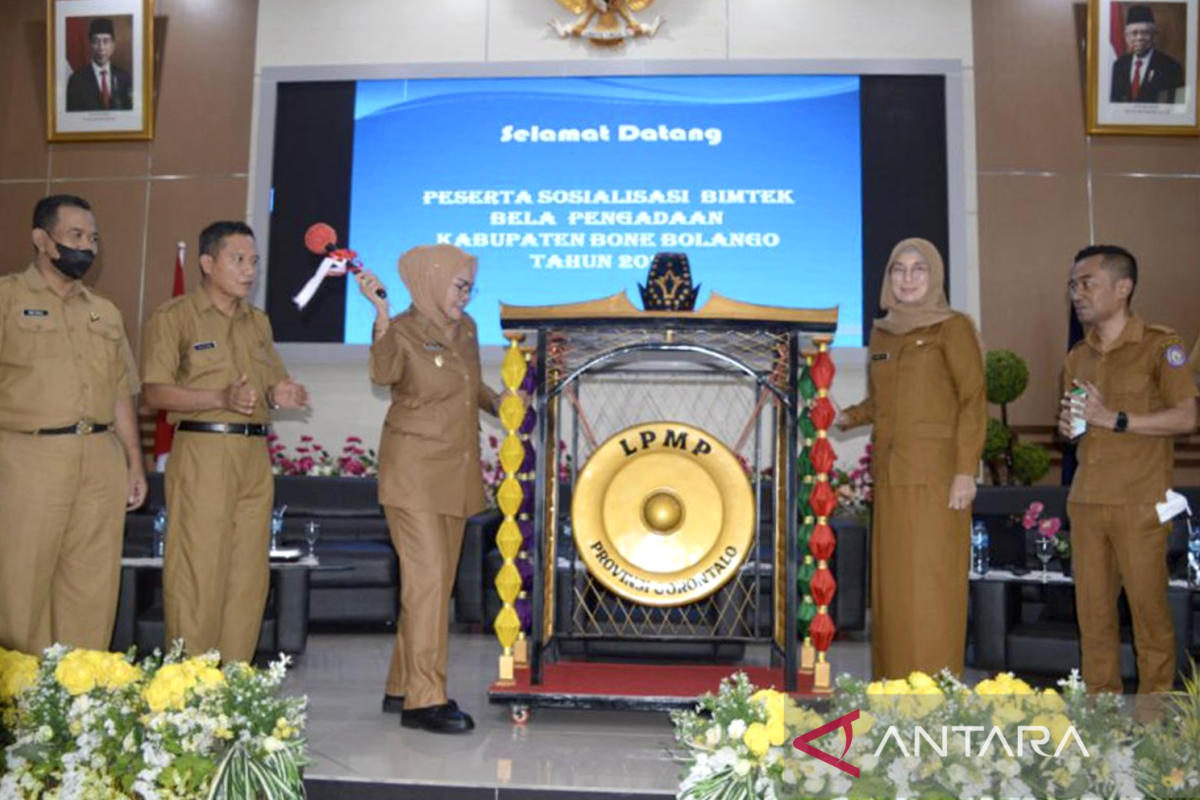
point(85, 724)
point(935, 737)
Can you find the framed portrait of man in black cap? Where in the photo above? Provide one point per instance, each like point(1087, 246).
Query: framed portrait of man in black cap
point(1142, 67)
point(99, 69)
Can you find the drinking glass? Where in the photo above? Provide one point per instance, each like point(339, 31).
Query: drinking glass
point(1045, 551)
point(312, 532)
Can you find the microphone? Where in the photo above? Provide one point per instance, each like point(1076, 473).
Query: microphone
point(321, 239)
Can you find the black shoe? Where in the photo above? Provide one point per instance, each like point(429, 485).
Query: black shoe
point(394, 703)
point(437, 719)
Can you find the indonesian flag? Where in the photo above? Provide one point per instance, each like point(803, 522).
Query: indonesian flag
point(164, 434)
point(1116, 29)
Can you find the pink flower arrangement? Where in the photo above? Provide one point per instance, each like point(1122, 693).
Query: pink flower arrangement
point(356, 460)
point(493, 473)
point(312, 459)
point(1034, 520)
point(855, 488)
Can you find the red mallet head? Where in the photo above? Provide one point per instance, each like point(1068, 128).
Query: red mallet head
point(320, 238)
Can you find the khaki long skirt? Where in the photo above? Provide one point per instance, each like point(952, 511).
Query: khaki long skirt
point(920, 557)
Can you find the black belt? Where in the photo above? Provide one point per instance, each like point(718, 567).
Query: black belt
point(82, 427)
point(241, 429)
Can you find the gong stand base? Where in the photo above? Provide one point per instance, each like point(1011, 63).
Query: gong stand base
point(634, 687)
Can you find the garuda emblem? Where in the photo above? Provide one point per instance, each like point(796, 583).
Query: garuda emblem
point(669, 284)
point(606, 22)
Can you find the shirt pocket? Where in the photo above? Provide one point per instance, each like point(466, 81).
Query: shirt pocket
point(933, 430)
point(37, 338)
point(105, 339)
point(261, 367)
point(423, 435)
point(207, 368)
point(1131, 393)
point(922, 375)
point(883, 383)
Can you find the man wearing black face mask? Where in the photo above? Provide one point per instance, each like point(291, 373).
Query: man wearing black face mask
point(70, 462)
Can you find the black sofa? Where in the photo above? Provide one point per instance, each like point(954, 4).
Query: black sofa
point(359, 578)
point(1032, 628)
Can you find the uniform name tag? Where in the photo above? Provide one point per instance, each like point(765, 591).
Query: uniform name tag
point(204, 346)
point(35, 312)
point(434, 347)
point(880, 356)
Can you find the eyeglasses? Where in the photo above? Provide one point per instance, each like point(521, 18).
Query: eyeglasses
point(915, 271)
point(468, 289)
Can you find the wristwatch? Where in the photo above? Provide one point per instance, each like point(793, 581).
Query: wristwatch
point(1122, 423)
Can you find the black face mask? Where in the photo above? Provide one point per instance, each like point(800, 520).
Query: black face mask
point(71, 262)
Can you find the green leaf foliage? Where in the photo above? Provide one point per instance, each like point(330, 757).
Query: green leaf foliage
point(1007, 376)
point(1031, 462)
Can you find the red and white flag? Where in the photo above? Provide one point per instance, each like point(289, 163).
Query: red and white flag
point(1116, 29)
point(164, 433)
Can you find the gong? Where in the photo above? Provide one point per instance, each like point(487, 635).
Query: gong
point(663, 514)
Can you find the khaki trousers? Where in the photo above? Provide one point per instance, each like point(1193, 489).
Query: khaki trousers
point(428, 545)
point(920, 557)
point(62, 524)
point(216, 571)
point(1115, 546)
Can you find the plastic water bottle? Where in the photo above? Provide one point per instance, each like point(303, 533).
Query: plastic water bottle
point(980, 554)
point(160, 534)
point(1193, 555)
point(276, 527)
point(1078, 424)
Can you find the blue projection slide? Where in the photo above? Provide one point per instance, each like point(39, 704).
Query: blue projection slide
point(565, 188)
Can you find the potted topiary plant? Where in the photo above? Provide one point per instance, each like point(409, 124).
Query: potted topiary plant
point(1007, 377)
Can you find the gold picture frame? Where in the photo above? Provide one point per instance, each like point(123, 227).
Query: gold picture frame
point(99, 70)
point(1142, 67)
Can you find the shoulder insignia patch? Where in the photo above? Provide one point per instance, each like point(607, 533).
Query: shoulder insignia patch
point(1175, 355)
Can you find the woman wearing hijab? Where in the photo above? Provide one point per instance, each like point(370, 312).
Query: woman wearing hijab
point(429, 474)
point(926, 398)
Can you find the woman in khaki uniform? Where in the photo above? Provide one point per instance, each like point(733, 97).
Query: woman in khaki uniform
point(430, 479)
point(927, 400)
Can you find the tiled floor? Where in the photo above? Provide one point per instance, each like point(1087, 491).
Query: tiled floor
point(610, 751)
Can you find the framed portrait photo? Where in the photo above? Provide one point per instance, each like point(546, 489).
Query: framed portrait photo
point(99, 70)
point(1142, 67)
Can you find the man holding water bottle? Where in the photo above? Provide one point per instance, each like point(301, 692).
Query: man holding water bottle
point(1127, 392)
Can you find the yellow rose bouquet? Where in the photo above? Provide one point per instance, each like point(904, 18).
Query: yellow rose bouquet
point(88, 724)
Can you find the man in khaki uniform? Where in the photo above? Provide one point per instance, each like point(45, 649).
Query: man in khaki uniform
point(209, 359)
point(1140, 394)
point(66, 387)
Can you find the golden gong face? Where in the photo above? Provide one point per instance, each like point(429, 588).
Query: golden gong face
point(663, 514)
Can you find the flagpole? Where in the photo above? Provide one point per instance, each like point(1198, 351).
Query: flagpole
point(164, 432)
